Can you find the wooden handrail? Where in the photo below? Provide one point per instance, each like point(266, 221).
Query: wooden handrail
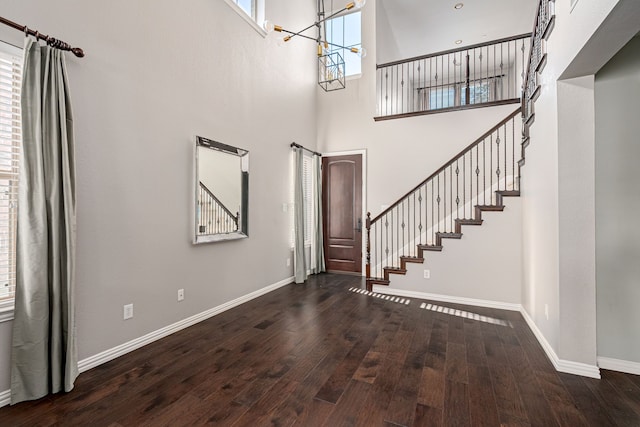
point(449, 163)
point(526, 74)
point(224, 208)
point(448, 52)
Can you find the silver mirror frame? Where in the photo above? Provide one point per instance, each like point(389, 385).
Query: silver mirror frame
point(242, 232)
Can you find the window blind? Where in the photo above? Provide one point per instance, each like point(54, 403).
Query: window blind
point(308, 189)
point(10, 139)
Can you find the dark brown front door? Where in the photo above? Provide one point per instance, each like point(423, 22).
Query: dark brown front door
point(342, 212)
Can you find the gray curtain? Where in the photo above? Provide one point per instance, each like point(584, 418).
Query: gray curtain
point(317, 264)
point(43, 356)
point(299, 256)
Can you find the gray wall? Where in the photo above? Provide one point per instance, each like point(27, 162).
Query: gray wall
point(617, 90)
point(157, 73)
point(486, 264)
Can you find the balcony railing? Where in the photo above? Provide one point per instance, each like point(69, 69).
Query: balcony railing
point(484, 74)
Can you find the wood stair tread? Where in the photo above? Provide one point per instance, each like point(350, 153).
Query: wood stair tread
point(449, 235)
point(508, 193)
point(394, 270)
point(414, 259)
point(469, 221)
point(496, 208)
point(430, 247)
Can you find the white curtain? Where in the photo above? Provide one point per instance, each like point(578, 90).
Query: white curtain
point(317, 238)
point(299, 256)
point(307, 218)
point(43, 354)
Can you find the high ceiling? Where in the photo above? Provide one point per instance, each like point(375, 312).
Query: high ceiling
point(408, 28)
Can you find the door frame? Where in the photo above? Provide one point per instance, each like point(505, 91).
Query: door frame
point(362, 152)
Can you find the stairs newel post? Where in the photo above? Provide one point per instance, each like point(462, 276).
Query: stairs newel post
point(368, 267)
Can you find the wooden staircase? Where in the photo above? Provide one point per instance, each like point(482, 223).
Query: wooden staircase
point(437, 247)
point(386, 256)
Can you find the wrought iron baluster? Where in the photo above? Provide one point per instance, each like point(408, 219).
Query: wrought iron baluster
point(497, 161)
point(514, 180)
point(457, 190)
point(438, 199)
point(403, 226)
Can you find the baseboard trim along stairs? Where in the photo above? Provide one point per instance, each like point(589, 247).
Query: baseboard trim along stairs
point(566, 366)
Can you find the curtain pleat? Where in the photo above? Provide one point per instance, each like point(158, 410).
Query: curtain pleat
point(43, 354)
point(317, 264)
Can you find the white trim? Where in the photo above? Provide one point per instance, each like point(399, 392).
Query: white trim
point(250, 21)
point(450, 299)
point(5, 398)
point(619, 365)
point(567, 366)
point(362, 152)
point(122, 349)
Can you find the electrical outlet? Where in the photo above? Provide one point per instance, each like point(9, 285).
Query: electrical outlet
point(546, 311)
point(288, 262)
point(128, 311)
point(427, 274)
point(180, 294)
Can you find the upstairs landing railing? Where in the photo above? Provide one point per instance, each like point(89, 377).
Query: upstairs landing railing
point(213, 216)
point(485, 74)
point(449, 197)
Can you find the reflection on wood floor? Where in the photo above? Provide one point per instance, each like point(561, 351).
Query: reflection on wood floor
point(320, 354)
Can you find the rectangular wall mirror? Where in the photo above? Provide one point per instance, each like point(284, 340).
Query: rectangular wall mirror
point(221, 191)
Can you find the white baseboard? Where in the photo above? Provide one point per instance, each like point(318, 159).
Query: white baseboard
point(5, 398)
point(619, 365)
point(566, 366)
point(112, 353)
point(448, 298)
point(122, 349)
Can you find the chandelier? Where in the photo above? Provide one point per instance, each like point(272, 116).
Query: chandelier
point(331, 65)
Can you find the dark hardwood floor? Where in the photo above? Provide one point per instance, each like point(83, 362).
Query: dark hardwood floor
point(319, 354)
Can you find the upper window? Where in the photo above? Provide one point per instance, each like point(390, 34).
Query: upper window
point(346, 31)
point(251, 10)
point(249, 6)
point(10, 137)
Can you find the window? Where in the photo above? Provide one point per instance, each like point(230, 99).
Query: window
point(251, 11)
point(249, 7)
point(346, 31)
point(10, 136)
point(453, 95)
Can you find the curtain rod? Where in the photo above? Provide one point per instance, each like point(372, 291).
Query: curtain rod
point(293, 144)
point(53, 42)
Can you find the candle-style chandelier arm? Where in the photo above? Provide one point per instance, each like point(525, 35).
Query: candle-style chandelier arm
point(268, 26)
point(323, 42)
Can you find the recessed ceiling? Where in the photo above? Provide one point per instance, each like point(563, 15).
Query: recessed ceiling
point(408, 28)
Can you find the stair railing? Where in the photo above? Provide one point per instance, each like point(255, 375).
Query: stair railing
point(484, 74)
point(435, 208)
point(213, 216)
point(542, 27)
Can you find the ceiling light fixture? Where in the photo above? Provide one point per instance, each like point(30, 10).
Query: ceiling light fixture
point(458, 6)
point(458, 42)
point(331, 75)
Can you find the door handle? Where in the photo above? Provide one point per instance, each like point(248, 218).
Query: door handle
point(359, 225)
